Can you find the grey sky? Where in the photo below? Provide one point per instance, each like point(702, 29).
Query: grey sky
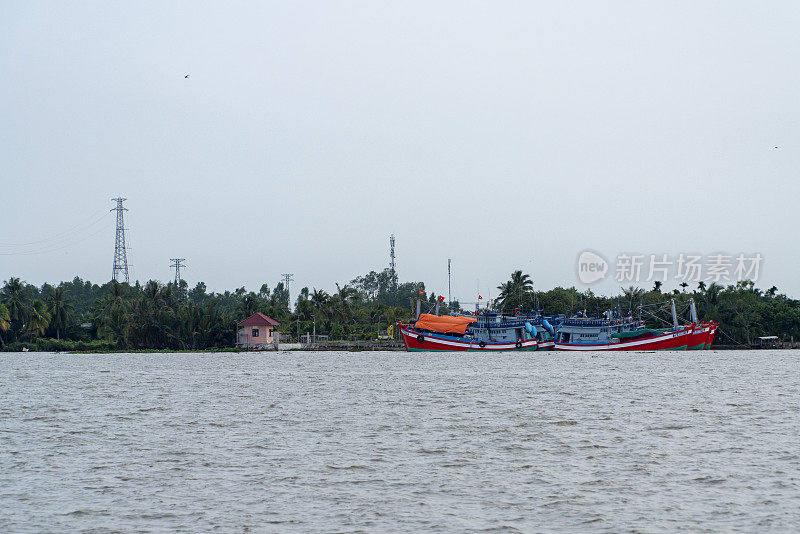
point(503, 135)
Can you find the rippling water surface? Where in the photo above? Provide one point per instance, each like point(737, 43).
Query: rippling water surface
point(308, 442)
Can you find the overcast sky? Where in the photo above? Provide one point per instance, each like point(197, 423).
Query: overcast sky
point(503, 135)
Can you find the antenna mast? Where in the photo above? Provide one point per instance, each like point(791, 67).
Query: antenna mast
point(120, 270)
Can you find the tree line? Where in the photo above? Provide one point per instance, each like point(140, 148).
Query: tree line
point(80, 315)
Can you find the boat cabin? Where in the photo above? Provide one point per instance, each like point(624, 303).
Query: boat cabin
point(577, 330)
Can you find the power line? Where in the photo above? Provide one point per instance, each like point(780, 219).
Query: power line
point(71, 233)
point(120, 255)
point(55, 247)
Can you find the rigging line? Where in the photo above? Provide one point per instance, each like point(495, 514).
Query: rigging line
point(729, 337)
point(81, 226)
point(656, 316)
point(48, 250)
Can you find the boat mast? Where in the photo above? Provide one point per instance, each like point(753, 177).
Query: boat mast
point(693, 310)
point(674, 313)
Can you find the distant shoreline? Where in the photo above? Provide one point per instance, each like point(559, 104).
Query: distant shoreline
point(331, 349)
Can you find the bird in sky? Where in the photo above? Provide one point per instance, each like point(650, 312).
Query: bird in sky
point(188, 76)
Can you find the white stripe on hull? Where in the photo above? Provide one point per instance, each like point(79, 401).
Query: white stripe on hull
point(617, 346)
point(473, 345)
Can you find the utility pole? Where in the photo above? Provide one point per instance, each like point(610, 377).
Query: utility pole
point(120, 270)
point(449, 299)
point(176, 264)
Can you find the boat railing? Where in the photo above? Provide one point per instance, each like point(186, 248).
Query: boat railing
point(584, 321)
point(499, 324)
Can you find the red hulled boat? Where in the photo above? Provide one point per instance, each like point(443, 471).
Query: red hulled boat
point(464, 333)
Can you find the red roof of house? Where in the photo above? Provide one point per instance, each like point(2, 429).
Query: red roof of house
point(259, 319)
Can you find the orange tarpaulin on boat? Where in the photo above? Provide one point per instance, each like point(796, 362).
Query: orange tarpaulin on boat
point(443, 323)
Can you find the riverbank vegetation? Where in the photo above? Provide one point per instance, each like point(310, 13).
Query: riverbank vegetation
point(82, 316)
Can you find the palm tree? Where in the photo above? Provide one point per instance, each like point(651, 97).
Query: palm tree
point(321, 301)
point(657, 286)
point(346, 293)
point(114, 324)
point(772, 291)
point(632, 293)
point(5, 321)
point(18, 304)
point(701, 286)
point(38, 320)
point(684, 285)
point(60, 310)
point(507, 290)
point(341, 300)
point(515, 290)
point(152, 290)
point(522, 281)
point(319, 298)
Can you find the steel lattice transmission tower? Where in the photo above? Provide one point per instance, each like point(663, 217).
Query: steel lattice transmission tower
point(288, 277)
point(392, 264)
point(391, 253)
point(176, 264)
point(120, 272)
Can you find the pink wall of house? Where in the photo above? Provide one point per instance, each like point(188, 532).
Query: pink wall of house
point(266, 334)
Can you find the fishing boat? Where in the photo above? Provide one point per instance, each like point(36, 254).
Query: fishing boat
point(579, 334)
point(703, 336)
point(613, 332)
point(541, 327)
point(482, 332)
point(711, 332)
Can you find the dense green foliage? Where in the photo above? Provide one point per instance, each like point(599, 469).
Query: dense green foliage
point(79, 315)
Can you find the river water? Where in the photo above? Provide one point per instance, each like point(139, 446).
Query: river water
point(400, 442)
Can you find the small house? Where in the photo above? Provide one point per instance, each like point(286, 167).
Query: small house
point(258, 332)
point(769, 342)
